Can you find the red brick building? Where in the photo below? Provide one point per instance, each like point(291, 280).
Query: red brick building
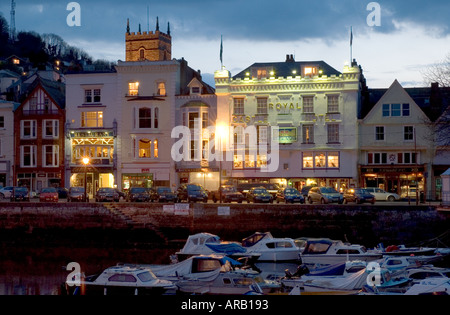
point(39, 136)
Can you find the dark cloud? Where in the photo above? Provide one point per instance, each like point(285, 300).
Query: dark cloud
point(280, 20)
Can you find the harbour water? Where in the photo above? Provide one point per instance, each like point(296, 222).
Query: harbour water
point(31, 270)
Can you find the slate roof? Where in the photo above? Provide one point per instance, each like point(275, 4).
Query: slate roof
point(284, 69)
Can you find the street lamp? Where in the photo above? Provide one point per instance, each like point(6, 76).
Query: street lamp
point(220, 134)
point(85, 162)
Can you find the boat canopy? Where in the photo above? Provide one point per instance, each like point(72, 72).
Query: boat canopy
point(195, 243)
point(255, 238)
point(317, 246)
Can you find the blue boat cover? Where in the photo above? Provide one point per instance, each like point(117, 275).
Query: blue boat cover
point(227, 248)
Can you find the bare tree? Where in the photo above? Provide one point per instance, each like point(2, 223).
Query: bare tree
point(439, 72)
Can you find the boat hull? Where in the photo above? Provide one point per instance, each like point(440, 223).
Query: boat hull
point(326, 259)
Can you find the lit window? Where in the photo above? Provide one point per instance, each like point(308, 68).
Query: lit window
point(310, 71)
point(308, 160)
point(144, 148)
point(133, 88)
point(155, 148)
point(261, 73)
point(333, 159)
point(161, 88)
point(308, 133)
point(92, 119)
point(319, 160)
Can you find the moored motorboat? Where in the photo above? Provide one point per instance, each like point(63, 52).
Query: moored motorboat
point(325, 251)
point(270, 248)
point(119, 280)
point(209, 244)
point(212, 274)
point(346, 278)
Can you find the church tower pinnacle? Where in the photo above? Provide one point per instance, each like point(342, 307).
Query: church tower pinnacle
point(150, 46)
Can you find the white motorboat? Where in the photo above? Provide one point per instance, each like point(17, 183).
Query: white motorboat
point(270, 248)
point(257, 247)
point(212, 274)
point(434, 286)
point(209, 244)
point(330, 252)
point(347, 278)
point(119, 280)
point(402, 263)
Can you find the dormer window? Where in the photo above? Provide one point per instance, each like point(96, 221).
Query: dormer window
point(133, 88)
point(310, 71)
point(195, 90)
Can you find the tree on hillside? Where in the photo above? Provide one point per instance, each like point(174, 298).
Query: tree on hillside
point(440, 73)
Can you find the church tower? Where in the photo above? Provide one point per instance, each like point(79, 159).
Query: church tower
point(150, 46)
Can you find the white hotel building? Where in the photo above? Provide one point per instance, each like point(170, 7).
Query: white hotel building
point(315, 108)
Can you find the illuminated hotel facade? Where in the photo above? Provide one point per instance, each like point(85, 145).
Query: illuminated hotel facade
point(314, 108)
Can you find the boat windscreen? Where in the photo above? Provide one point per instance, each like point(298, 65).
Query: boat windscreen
point(317, 247)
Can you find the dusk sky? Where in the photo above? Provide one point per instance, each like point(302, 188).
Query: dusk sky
point(412, 35)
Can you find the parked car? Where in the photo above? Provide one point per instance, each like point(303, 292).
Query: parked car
point(77, 194)
point(358, 195)
point(271, 188)
point(192, 192)
point(136, 194)
point(5, 192)
point(20, 194)
point(163, 194)
point(62, 192)
point(107, 194)
point(304, 191)
point(259, 194)
point(324, 195)
point(228, 193)
point(381, 195)
point(49, 194)
point(289, 194)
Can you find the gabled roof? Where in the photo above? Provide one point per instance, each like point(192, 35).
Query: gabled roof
point(432, 100)
point(56, 90)
point(284, 69)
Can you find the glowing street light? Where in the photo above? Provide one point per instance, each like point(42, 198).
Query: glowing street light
point(221, 133)
point(86, 161)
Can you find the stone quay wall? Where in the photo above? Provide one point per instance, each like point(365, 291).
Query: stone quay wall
point(135, 224)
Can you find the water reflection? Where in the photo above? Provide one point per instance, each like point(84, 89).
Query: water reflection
point(41, 271)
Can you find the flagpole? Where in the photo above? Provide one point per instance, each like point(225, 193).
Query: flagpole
point(351, 46)
point(221, 53)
